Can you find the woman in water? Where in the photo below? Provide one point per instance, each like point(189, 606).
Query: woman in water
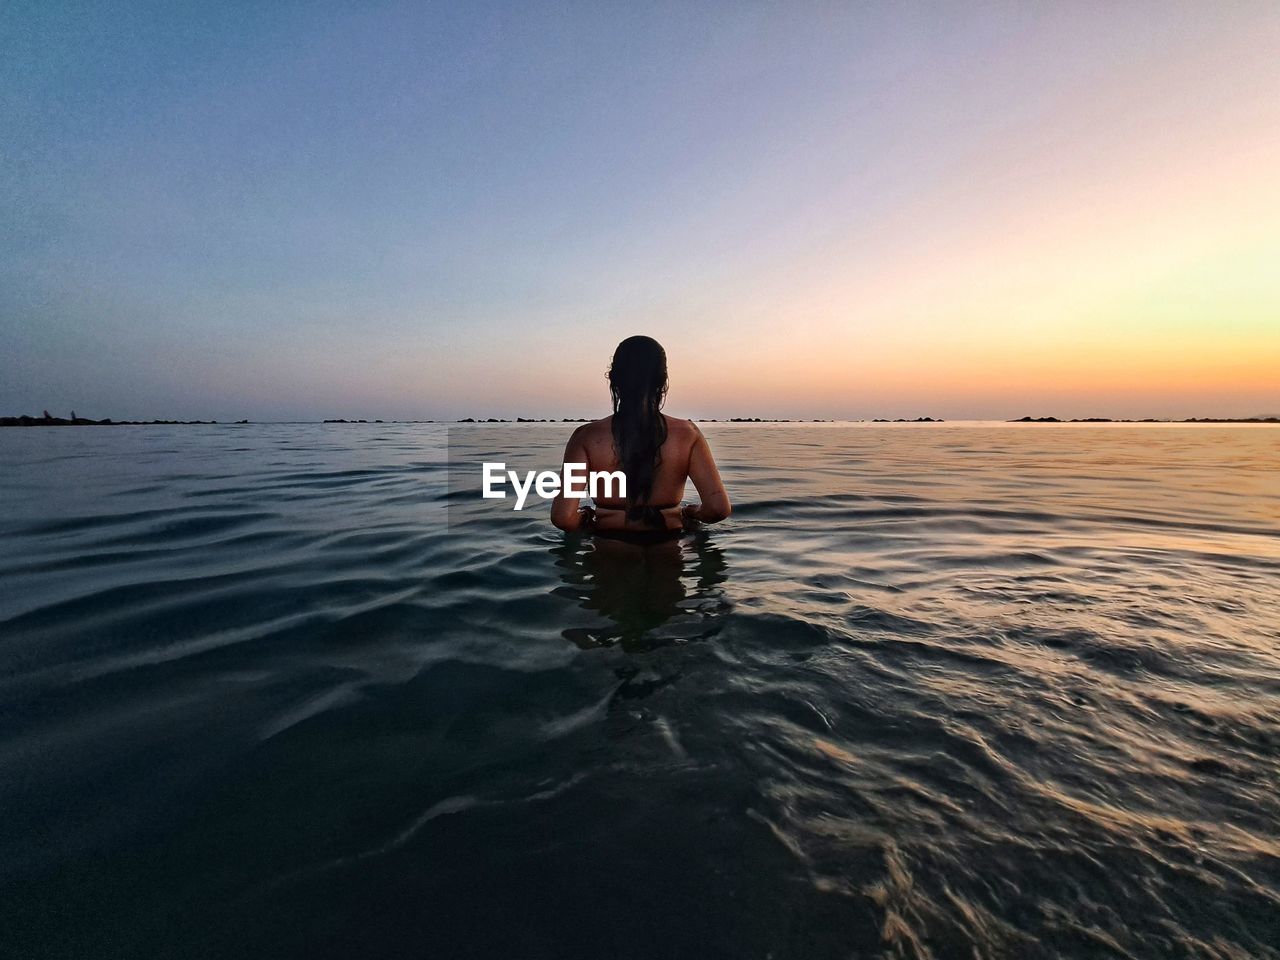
point(657, 454)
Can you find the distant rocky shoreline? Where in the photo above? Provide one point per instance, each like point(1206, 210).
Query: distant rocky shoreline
point(589, 419)
point(1147, 420)
point(74, 421)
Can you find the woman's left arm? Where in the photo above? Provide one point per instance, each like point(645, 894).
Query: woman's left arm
point(565, 513)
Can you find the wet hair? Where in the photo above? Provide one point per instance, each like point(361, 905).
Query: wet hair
point(638, 385)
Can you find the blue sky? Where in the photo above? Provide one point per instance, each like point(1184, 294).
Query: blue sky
point(415, 210)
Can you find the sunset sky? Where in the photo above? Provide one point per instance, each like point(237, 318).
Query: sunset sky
point(416, 210)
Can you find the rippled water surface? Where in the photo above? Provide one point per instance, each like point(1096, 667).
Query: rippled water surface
point(938, 691)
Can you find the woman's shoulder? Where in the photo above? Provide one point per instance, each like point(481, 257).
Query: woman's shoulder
point(681, 429)
point(676, 428)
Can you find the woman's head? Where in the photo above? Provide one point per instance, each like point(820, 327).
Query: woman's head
point(638, 385)
point(638, 374)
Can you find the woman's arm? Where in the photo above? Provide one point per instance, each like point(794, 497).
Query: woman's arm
point(715, 505)
point(565, 513)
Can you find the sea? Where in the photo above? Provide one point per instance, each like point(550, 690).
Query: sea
point(961, 690)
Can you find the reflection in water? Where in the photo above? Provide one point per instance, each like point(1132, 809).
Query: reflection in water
point(647, 596)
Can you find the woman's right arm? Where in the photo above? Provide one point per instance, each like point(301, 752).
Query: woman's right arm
point(715, 505)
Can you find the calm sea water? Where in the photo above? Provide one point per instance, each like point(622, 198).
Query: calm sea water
point(956, 691)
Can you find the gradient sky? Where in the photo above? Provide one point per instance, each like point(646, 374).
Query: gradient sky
point(278, 211)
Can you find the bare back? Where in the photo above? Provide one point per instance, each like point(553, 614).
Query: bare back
point(685, 455)
point(669, 477)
